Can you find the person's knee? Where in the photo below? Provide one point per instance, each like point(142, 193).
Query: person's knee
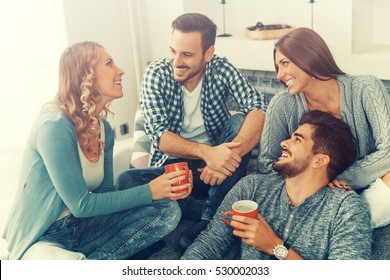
point(232, 127)
point(122, 180)
point(136, 177)
point(236, 121)
point(237, 118)
point(171, 215)
point(176, 212)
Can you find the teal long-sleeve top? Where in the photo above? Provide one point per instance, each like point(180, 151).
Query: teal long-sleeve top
point(51, 178)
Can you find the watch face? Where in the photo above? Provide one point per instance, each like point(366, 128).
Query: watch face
point(280, 251)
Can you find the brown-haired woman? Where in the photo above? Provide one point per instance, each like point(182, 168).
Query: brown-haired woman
point(305, 65)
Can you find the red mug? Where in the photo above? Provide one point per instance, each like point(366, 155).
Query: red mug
point(247, 208)
point(178, 166)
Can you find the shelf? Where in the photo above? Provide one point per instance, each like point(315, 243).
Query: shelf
point(355, 31)
point(247, 54)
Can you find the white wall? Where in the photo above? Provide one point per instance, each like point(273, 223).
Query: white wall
point(155, 27)
point(355, 30)
point(107, 22)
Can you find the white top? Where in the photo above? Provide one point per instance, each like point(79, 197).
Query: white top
point(93, 172)
point(193, 128)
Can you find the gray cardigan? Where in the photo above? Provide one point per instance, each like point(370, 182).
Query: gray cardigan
point(365, 107)
point(330, 224)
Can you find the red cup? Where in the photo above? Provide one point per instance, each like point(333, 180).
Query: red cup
point(179, 166)
point(247, 208)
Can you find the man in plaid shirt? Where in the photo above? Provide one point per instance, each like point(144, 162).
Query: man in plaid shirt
point(183, 99)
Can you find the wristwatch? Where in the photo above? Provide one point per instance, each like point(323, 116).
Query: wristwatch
point(280, 251)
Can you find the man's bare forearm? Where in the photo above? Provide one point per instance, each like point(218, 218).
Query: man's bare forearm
point(175, 145)
point(249, 136)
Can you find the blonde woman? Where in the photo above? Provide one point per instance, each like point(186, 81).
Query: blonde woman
point(67, 206)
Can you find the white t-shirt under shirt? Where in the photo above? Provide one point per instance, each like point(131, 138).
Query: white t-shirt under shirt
point(193, 125)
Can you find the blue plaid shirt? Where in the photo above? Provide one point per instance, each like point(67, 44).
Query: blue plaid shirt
point(161, 100)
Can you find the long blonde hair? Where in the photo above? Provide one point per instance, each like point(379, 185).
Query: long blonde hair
point(77, 96)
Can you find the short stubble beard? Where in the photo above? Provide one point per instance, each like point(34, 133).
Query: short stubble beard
point(291, 169)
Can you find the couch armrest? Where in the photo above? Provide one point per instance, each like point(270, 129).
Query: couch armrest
point(122, 155)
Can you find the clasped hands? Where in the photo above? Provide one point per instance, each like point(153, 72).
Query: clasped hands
point(221, 162)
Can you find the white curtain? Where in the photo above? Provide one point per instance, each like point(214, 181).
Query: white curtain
point(33, 36)
point(139, 40)
point(32, 39)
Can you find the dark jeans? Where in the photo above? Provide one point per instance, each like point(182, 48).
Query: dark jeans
point(204, 199)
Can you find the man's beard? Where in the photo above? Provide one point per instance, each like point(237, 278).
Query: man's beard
point(291, 169)
point(194, 71)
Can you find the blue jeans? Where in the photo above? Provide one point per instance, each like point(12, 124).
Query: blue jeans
point(205, 199)
point(115, 236)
